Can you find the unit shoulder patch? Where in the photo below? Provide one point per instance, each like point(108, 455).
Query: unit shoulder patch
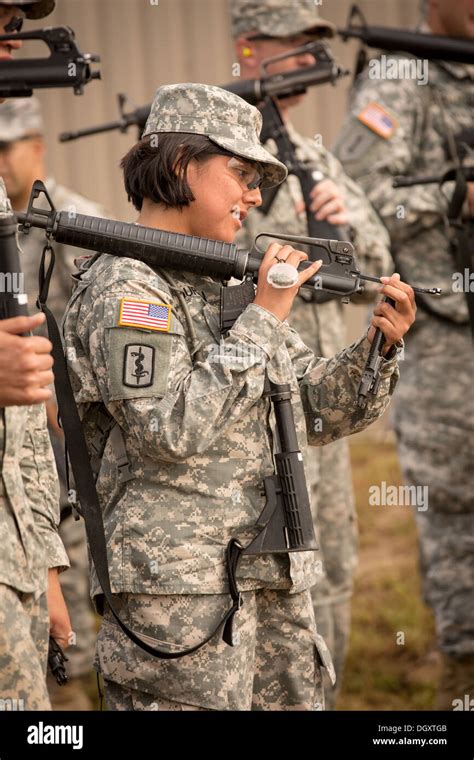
point(138, 365)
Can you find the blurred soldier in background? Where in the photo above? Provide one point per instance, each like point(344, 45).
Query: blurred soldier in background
point(31, 602)
point(22, 161)
point(402, 127)
point(263, 29)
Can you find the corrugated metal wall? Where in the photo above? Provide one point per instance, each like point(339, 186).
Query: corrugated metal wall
point(145, 43)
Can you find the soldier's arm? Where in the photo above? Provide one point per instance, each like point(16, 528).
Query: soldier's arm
point(40, 481)
point(380, 140)
point(172, 408)
point(328, 389)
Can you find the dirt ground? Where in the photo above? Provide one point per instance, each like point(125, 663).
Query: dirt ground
point(392, 662)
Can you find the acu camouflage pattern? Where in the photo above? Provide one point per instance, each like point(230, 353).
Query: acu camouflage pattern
point(322, 328)
point(20, 117)
point(29, 497)
point(278, 18)
point(276, 664)
point(199, 438)
point(229, 121)
point(24, 638)
point(434, 411)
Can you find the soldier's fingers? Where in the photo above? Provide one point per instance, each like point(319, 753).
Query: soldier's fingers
point(330, 207)
point(324, 195)
point(401, 298)
point(296, 257)
point(34, 396)
point(37, 344)
point(19, 325)
point(310, 271)
point(339, 218)
point(397, 282)
point(270, 253)
point(32, 362)
point(387, 328)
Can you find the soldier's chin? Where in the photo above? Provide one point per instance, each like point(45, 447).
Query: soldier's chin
point(295, 100)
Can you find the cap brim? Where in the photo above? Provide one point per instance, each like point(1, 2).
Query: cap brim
point(324, 28)
point(37, 10)
point(275, 171)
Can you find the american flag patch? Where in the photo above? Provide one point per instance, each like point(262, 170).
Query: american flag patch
point(147, 314)
point(378, 120)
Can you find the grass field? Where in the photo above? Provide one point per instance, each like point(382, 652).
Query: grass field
point(382, 672)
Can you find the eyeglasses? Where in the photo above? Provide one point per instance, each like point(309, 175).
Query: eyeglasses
point(296, 40)
point(8, 22)
point(249, 174)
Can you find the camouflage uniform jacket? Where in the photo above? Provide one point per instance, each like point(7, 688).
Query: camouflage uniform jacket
point(29, 495)
point(198, 438)
point(407, 135)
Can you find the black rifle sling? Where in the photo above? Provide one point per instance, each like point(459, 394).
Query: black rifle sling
point(87, 493)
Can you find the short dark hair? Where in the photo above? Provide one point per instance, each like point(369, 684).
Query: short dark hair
point(158, 170)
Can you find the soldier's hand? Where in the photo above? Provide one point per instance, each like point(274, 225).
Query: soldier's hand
point(394, 321)
point(280, 300)
point(328, 203)
point(25, 362)
point(59, 622)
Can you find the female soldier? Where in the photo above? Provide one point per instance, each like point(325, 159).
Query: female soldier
point(187, 413)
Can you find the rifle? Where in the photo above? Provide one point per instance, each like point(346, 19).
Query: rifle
point(461, 230)
point(13, 299)
point(339, 274)
point(252, 90)
point(431, 46)
point(65, 67)
point(56, 660)
point(275, 128)
point(432, 179)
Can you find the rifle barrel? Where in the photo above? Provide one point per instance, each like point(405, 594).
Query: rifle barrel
point(433, 46)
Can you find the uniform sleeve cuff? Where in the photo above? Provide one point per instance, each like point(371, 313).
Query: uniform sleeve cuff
point(55, 552)
point(261, 327)
point(388, 364)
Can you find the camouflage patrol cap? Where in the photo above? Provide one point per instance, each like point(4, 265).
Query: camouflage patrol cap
point(226, 119)
point(32, 8)
point(278, 18)
point(20, 117)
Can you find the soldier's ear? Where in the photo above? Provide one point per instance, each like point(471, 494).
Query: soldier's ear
point(38, 146)
point(246, 52)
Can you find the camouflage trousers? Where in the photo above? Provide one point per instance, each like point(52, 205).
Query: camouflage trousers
point(75, 582)
point(335, 520)
point(435, 428)
point(277, 664)
point(24, 637)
